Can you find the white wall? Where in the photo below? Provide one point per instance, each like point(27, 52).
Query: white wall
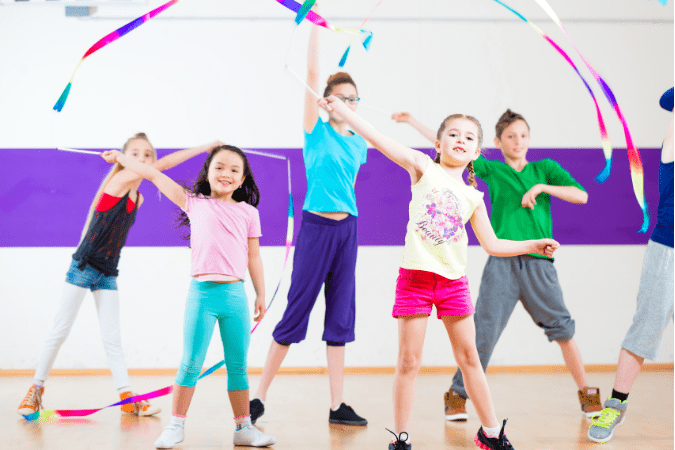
point(214, 69)
point(599, 283)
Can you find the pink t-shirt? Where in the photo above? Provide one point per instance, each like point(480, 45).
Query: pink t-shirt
point(219, 235)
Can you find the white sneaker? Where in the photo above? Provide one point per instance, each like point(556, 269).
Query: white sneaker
point(172, 435)
point(250, 436)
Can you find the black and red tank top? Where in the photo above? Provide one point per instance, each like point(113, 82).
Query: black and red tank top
point(101, 246)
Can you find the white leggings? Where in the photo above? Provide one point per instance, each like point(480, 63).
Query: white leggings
point(108, 307)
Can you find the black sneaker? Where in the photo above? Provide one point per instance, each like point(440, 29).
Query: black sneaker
point(400, 443)
point(345, 415)
point(488, 443)
point(256, 408)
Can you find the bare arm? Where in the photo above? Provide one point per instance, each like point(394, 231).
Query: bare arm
point(311, 115)
point(480, 222)
point(255, 268)
point(570, 194)
point(123, 178)
point(180, 156)
point(667, 151)
point(408, 118)
point(166, 185)
point(415, 162)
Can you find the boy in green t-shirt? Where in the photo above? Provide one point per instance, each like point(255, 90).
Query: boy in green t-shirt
point(520, 193)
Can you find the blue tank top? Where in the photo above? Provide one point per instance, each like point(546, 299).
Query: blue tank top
point(331, 164)
point(663, 231)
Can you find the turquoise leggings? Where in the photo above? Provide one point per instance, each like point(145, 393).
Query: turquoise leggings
point(207, 303)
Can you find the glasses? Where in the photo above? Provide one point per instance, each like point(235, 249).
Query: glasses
point(350, 100)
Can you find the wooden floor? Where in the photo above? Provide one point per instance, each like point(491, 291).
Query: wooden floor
point(542, 409)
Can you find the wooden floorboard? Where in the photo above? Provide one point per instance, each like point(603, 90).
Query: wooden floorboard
point(542, 409)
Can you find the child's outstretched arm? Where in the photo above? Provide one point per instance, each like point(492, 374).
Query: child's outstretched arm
point(166, 185)
point(415, 162)
point(255, 268)
point(416, 124)
point(180, 156)
point(121, 181)
point(480, 222)
point(311, 115)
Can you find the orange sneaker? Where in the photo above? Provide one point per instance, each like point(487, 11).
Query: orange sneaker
point(142, 408)
point(32, 402)
point(589, 397)
point(455, 407)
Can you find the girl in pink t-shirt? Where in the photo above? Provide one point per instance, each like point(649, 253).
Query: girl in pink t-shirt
point(225, 227)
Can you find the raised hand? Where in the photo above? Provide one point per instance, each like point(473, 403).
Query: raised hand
point(110, 156)
point(401, 117)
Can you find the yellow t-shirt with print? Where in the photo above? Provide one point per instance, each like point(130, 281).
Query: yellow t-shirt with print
point(436, 239)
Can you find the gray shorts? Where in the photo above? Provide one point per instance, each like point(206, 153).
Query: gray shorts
point(654, 303)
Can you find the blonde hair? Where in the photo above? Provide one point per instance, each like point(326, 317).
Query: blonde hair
point(115, 169)
point(439, 133)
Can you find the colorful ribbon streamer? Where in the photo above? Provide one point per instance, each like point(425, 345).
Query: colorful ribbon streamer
point(49, 415)
point(317, 19)
point(366, 42)
point(633, 154)
point(635, 162)
point(304, 9)
point(289, 226)
point(60, 103)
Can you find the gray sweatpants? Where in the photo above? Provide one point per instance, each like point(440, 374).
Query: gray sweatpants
point(532, 280)
point(654, 303)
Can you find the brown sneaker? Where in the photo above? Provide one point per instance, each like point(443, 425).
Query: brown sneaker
point(589, 397)
point(32, 402)
point(142, 408)
point(455, 407)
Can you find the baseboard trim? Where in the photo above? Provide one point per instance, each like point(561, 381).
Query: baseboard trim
point(654, 367)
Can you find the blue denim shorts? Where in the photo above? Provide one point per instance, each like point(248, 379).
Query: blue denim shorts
point(89, 278)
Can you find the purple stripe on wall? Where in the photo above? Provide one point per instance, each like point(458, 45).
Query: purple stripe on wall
point(45, 196)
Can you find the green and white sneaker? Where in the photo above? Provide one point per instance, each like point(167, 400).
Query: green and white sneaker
point(611, 417)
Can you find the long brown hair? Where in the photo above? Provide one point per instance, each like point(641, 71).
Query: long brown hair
point(439, 133)
point(117, 167)
point(248, 192)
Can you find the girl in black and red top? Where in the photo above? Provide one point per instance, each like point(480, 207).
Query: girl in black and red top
point(94, 267)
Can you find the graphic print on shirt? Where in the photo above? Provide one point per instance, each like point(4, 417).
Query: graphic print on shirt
point(440, 219)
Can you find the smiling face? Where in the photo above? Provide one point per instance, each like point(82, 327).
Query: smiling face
point(458, 143)
point(514, 141)
point(344, 91)
point(226, 174)
point(141, 150)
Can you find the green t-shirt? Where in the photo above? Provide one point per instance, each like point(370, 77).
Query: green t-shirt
point(507, 187)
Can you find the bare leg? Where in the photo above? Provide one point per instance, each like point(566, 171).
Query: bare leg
point(182, 396)
point(275, 357)
point(573, 362)
point(462, 333)
point(239, 402)
point(336, 373)
point(629, 368)
point(411, 331)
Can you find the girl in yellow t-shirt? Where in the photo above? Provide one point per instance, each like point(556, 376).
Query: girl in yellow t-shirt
point(434, 261)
